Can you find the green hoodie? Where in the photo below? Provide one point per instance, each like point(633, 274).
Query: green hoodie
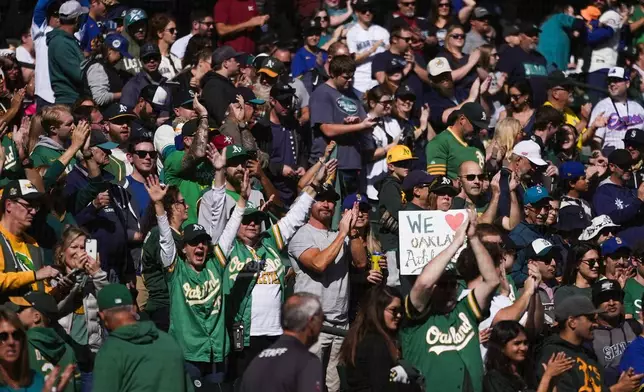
point(65, 57)
point(47, 350)
point(139, 357)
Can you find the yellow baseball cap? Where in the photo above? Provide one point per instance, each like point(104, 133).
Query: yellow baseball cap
point(399, 153)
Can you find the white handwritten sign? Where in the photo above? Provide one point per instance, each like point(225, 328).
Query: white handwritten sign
point(424, 234)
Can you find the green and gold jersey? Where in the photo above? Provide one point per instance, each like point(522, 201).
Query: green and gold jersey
point(152, 270)
point(446, 152)
point(197, 319)
point(633, 291)
point(12, 169)
point(192, 184)
point(445, 347)
point(247, 267)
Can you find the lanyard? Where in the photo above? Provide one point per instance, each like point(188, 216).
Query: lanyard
point(619, 118)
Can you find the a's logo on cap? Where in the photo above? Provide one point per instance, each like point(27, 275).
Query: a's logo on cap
point(483, 116)
point(236, 149)
point(13, 192)
point(446, 181)
point(198, 227)
point(270, 64)
point(122, 108)
point(118, 301)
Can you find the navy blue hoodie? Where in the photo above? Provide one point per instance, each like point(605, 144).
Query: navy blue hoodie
point(622, 206)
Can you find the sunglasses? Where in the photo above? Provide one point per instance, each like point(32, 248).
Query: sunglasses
point(406, 39)
point(444, 5)
point(515, 97)
point(197, 241)
point(592, 263)
point(15, 335)
point(325, 18)
point(472, 177)
point(247, 220)
point(386, 102)
point(151, 59)
point(209, 24)
point(408, 4)
point(458, 36)
point(143, 154)
point(182, 202)
point(27, 206)
point(172, 30)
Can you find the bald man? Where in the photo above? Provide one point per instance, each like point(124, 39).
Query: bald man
point(474, 192)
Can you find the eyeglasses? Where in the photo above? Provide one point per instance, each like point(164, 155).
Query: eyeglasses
point(546, 207)
point(143, 154)
point(408, 4)
point(28, 206)
point(406, 39)
point(592, 263)
point(458, 36)
point(472, 177)
point(172, 30)
point(15, 335)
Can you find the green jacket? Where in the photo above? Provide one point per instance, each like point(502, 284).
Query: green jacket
point(140, 358)
point(65, 57)
point(48, 350)
point(392, 199)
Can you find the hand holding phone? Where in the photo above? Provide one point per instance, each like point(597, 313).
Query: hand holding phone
point(91, 247)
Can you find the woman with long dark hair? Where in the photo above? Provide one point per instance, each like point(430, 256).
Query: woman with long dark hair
point(508, 365)
point(520, 105)
point(162, 30)
point(441, 18)
point(581, 271)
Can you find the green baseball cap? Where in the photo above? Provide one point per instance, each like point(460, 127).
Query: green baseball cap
point(113, 296)
point(252, 211)
point(236, 150)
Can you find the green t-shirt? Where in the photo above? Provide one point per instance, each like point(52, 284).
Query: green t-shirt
point(45, 156)
point(445, 348)
point(152, 270)
point(192, 184)
point(446, 152)
point(197, 319)
point(12, 169)
point(638, 13)
point(633, 298)
point(460, 203)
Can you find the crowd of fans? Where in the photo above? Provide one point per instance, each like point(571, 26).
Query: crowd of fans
point(217, 209)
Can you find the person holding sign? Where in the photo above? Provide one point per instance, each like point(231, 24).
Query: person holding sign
point(440, 335)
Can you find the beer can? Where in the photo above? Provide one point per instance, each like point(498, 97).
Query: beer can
point(375, 261)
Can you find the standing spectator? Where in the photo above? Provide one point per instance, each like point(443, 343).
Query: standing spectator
point(604, 51)
point(559, 92)
point(143, 158)
point(520, 107)
point(463, 65)
point(616, 253)
point(303, 96)
point(117, 123)
point(634, 289)
point(58, 123)
point(202, 23)
point(135, 27)
point(623, 113)
point(364, 40)
point(100, 76)
point(321, 258)
point(46, 18)
point(137, 355)
point(65, 56)
point(634, 143)
point(295, 367)
point(450, 148)
point(237, 23)
point(218, 89)
point(25, 54)
point(309, 55)
point(479, 33)
point(405, 16)
point(163, 31)
point(472, 195)
point(91, 29)
point(433, 312)
point(524, 62)
point(580, 272)
point(320, 74)
point(554, 39)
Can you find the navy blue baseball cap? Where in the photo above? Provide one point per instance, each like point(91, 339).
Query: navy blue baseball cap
point(347, 204)
point(536, 194)
point(415, 178)
point(572, 170)
point(613, 244)
point(119, 43)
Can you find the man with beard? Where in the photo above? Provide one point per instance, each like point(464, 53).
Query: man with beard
point(536, 205)
point(620, 203)
point(574, 184)
point(478, 34)
point(433, 315)
point(135, 27)
point(524, 62)
point(145, 111)
point(472, 177)
point(447, 151)
point(634, 143)
point(117, 122)
point(614, 332)
point(624, 114)
point(218, 88)
point(321, 258)
point(320, 74)
point(577, 320)
point(202, 24)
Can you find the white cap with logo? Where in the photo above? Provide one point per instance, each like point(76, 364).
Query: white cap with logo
point(438, 66)
point(71, 9)
point(530, 150)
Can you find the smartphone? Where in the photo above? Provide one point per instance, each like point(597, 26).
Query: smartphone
point(91, 247)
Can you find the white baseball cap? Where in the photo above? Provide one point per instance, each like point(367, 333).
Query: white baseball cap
point(531, 150)
point(598, 224)
point(71, 9)
point(438, 66)
point(618, 73)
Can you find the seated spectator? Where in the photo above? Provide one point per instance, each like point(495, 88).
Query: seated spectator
point(58, 124)
point(616, 253)
point(632, 356)
point(135, 30)
point(441, 193)
point(601, 228)
point(479, 31)
point(521, 105)
point(471, 177)
point(580, 272)
point(149, 74)
point(574, 185)
point(634, 143)
point(100, 76)
point(634, 288)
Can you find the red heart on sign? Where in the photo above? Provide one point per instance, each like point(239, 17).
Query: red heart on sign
point(454, 221)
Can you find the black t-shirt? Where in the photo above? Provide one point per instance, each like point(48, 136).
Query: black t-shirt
point(519, 64)
point(455, 63)
point(382, 60)
point(287, 365)
point(439, 103)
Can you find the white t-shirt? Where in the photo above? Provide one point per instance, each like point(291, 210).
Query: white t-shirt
point(265, 304)
point(43, 83)
point(359, 41)
point(629, 115)
point(170, 66)
point(605, 55)
point(179, 46)
point(377, 170)
point(23, 55)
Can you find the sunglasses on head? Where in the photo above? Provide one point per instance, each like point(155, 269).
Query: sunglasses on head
point(143, 153)
point(15, 335)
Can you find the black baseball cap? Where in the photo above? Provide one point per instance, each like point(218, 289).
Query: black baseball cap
point(249, 96)
point(149, 49)
point(271, 67)
point(572, 217)
point(394, 66)
point(327, 193)
point(20, 189)
point(98, 139)
point(634, 136)
point(443, 184)
point(604, 290)
point(194, 231)
point(559, 79)
point(117, 112)
point(415, 178)
point(475, 113)
point(224, 53)
point(190, 127)
point(405, 91)
point(312, 27)
point(42, 302)
point(183, 98)
point(282, 91)
point(620, 157)
point(364, 5)
point(528, 28)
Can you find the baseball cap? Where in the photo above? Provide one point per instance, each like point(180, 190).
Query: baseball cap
point(149, 49)
point(222, 54)
point(572, 170)
point(575, 306)
point(614, 244)
point(539, 248)
point(394, 66)
point(20, 189)
point(249, 96)
point(271, 67)
point(282, 91)
point(620, 157)
point(618, 73)
point(606, 289)
point(194, 231)
point(116, 12)
point(348, 201)
point(248, 211)
point(572, 217)
point(221, 141)
point(415, 178)
point(71, 10)
point(246, 60)
point(475, 113)
point(558, 79)
point(98, 139)
point(597, 224)
point(155, 94)
point(327, 193)
point(236, 150)
point(480, 13)
point(313, 27)
point(443, 185)
point(117, 111)
point(118, 43)
point(399, 153)
point(112, 296)
point(405, 91)
point(634, 136)
point(190, 127)
point(42, 302)
point(183, 98)
point(363, 5)
point(438, 66)
point(529, 29)
point(510, 30)
point(530, 150)
point(535, 194)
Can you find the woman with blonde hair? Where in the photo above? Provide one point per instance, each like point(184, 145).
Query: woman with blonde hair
point(507, 133)
point(463, 65)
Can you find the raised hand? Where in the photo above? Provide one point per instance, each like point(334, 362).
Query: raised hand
point(331, 168)
point(344, 227)
point(198, 107)
point(155, 189)
point(495, 184)
point(329, 149)
point(245, 186)
point(80, 133)
point(263, 206)
point(50, 382)
point(17, 98)
point(216, 159)
point(471, 229)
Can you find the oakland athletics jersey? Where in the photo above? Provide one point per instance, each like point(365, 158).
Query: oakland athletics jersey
point(445, 347)
point(197, 319)
point(446, 152)
point(192, 184)
point(261, 265)
point(152, 270)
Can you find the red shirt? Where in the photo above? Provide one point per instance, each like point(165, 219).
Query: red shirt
point(233, 12)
